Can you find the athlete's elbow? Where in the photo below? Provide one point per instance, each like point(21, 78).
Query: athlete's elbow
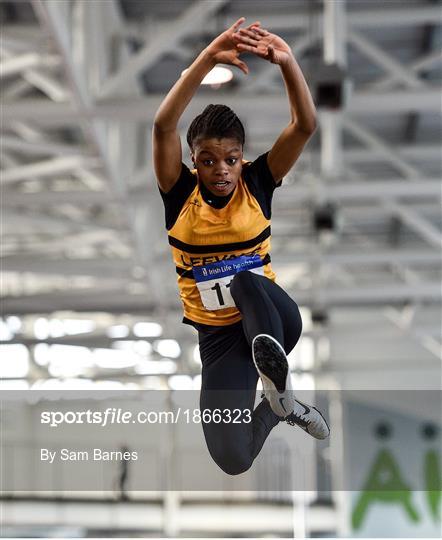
point(162, 125)
point(307, 126)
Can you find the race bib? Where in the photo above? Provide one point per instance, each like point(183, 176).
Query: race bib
point(213, 280)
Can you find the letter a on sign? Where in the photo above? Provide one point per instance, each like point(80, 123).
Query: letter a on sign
point(384, 484)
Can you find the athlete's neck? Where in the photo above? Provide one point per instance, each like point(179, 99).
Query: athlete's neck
point(216, 201)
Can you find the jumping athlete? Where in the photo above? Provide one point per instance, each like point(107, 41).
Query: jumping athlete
point(218, 223)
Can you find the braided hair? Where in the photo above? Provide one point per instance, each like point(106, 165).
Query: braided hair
point(216, 121)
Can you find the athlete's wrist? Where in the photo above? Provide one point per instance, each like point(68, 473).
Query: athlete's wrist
point(288, 60)
point(208, 55)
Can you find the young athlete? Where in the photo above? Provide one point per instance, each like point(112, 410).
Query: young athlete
point(218, 222)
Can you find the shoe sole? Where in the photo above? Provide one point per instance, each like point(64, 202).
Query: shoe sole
point(271, 361)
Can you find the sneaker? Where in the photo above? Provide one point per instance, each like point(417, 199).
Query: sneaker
point(271, 362)
point(309, 419)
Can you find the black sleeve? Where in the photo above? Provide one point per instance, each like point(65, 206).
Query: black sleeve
point(261, 183)
point(175, 198)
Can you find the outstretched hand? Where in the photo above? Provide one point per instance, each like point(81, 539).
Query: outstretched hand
point(264, 44)
point(224, 48)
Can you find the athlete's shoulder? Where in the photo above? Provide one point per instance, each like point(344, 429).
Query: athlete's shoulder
point(260, 181)
point(175, 199)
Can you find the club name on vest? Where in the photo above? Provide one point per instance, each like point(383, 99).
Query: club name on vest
point(201, 261)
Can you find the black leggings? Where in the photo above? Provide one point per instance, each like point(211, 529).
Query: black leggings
point(229, 376)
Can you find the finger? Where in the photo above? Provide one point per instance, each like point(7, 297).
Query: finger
point(261, 31)
point(245, 32)
point(242, 65)
point(256, 23)
point(237, 24)
point(242, 47)
point(246, 37)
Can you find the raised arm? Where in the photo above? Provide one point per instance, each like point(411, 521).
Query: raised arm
point(289, 145)
point(167, 155)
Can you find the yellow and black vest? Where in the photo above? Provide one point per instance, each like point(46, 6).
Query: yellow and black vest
point(202, 235)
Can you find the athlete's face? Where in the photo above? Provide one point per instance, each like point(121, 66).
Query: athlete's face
point(219, 164)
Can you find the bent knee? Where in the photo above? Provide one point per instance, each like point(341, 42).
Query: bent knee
point(243, 281)
point(235, 468)
point(232, 462)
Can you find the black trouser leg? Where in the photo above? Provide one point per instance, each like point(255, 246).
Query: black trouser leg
point(229, 380)
point(229, 376)
point(266, 309)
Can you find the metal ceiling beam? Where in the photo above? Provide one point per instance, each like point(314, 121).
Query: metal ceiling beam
point(425, 100)
point(53, 16)
point(353, 155)
point(424, 152)
point(85, 198)
point(43, 147)
point(15, 65)
point(330, 121)
point(193, 17)
point(23, 37)
point(418, 188)
point(72, 42)
point(40, 79)
point(376, 143)
point(119, 301)
point(425, 62)
point(122, 268)
point(48, 84)
point(391, 293)
point(384, 60)
point(373, 257)
point(50, 167)
point(431, 234)
point(112, 268)
point(143, 108)
point(360, 18)
point(53, 223)
point(346, 192)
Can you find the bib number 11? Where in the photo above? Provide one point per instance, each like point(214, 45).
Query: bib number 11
point(219, 294)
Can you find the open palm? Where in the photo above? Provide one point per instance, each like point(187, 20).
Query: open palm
point(263, 43)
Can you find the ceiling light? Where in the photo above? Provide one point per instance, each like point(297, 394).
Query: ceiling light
point(114, 359)
point(78, 326)
point(155, 367)
point(5, 332)
point(15, 361)
point(218, 75)
point(117, 331)
point(154, 383)
point(147, 329)
point(42, 354)
point(41, 328)
point(69, 360)
point(14, 323)
point(180, 382)
point(140, 347)
point(56, 328)
point(168, 347)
